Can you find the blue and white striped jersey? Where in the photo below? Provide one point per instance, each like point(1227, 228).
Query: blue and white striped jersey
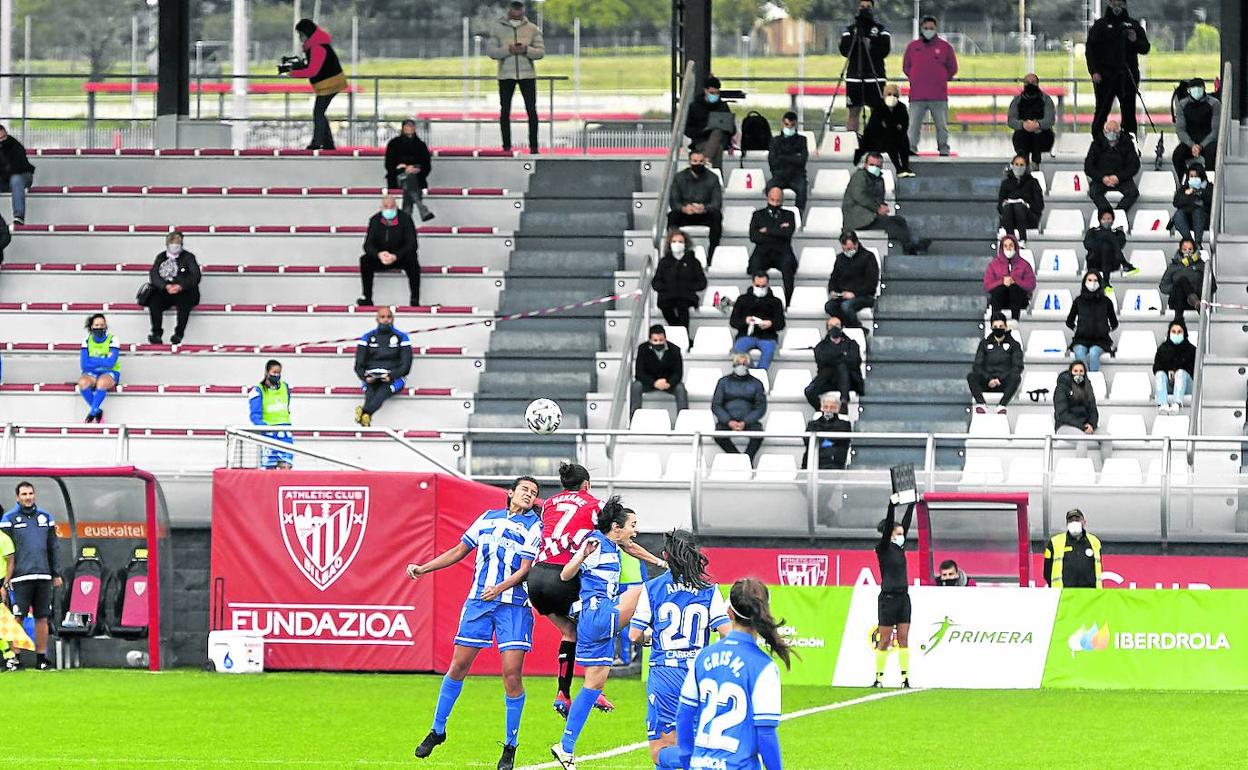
point(681, 619)
point(502, 542)
point(600, 572)
point(735, 686)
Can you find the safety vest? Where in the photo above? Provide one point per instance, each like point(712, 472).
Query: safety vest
point(630, 570)
point(275, 403)
point(101, 349)
point(6, 548)
point(1058, 547)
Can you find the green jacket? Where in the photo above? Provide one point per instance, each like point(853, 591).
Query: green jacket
point(861, 204)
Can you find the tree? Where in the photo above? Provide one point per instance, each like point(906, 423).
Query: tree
point(607, 14)
point(100, 30)
point(736, 16)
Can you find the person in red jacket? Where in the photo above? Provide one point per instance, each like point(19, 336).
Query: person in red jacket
point(930, 63)
point(324, 72)
point(1009, 280)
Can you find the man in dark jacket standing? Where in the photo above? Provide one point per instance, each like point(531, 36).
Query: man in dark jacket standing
point(739, 403)
point(696, 198)
point(838, 367)
point(1032, 115)
point(16, 173)
point(865, 44)
point(863, 206)
point(1115, 42)
point(1112, 164)
point(408, 161)
point(998, 366)
point(1196, 121)
point(33, 532)
point(390, 245)
point(383, 357)
point(854, 282)
point(771, 231)
point(710, 141)
point(324, 72)
point(833, 453)
point(786, 157)
point(758, 317)
point(659, 366)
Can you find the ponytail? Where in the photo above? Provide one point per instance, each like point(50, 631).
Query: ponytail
point(613, 512)
point(685, 560)
point(751, 605)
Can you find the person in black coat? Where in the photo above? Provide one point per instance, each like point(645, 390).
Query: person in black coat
point(16, 173)
point(658, 366)
point(1192, 204)
point(758, 317)
point(854, 282)
point(1074, 407)
point(1112, 163)
point(786, 158)
point(1174, 366)
point(1115, 42)
point(710, 142)
point(838, 366)
point(390, 245)
point(998, 366)
point(833, 453)
point(1092, 317)
point(175, 278)
point(408, 162)
point(1020, 199)
point(739, 403)
point(886, 132)
point(1184, 280)
point(865, 44)
point(678, 277)
point(1104, 244)
point(771, 231)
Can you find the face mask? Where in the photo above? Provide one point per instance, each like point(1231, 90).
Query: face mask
point(1177, 339)
point(1116, 10)
point(385, 328)
point(1111, 136)
point(1188, 255)
point(835, 332)
point(948, 581)
point(1075, 528)
point(1018, 171)
point(788, 131)
point(875, 170)
point(174, 249)
point(274, 379)
point(99, 334)
point(678, 249)
point(899, 541)
point(1092, 285)
point(389, 213)
point(1078, 378)
point(1197, 93)
point(998, 333)
point(1106, 225)
point(890, 101)
point(697, 170)
point(829, 414)
point(659, 348)
point(760, 291)
point(928, 34)
point(712, 98)
point(1196, 183)
point(740, 370)
point(1009, 253)
point(1031, 89)
point(850, 252)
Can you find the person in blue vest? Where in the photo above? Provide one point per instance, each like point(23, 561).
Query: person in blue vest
point(269, 404)
point(101, 371)
point(383, 357)
point(35, 573)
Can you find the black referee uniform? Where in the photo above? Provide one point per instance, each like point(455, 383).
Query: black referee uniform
point(894, 601)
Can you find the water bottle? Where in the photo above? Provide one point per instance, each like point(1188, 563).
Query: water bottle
point(1048, 301)
point(1156, 225)
point(836, 143)
point(1057, 263)
point(749, 181)
point(1078, 182)
point(1137, 301)
point(715, 301)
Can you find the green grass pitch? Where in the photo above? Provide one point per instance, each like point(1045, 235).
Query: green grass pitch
point(185, 720)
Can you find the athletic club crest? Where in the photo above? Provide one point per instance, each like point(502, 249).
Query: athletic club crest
point(798, 570)
point(323, 529)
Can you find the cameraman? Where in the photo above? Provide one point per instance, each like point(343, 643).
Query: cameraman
point(324, 72)
point(1115, 42)
point(865, 44)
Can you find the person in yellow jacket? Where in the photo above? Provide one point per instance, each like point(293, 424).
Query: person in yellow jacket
point(1072, 559)
point(324, 72)
point(6, 574)
point(515, 43)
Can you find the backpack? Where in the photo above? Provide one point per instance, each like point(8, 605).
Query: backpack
point(755, 132)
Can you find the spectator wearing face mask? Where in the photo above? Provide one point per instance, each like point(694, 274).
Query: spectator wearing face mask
point(930, 63)
point(1184, 279)
point(659, 367)
point(1192, 204)
point(951, 575)
point(887, 132)
point(998, 367)
point(101, 371)
point(758, 317)
point(1072, 559)
point(1092, 317)
point(710, 142)
point(174, 278)
point(408, 162)
point(1196, 122)
point(1174, 366)
point(678, 277)
point(833, 453)
point(1009, 280)
point(390, 245)
point(268, 403)
point(1032, 115)
point(771, 231)
point(1104, 245)
point(786, 157)
point(739, 403)
point(1112, 163)
point(838, 367)
point(854, 282)
point(1115, 42)
point(1074, 408)
point(16, 173)
point(383, 357)
point(1020, 199)
point(863, 206)
point(697, 198)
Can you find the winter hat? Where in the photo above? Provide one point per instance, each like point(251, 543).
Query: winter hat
point(306, 26)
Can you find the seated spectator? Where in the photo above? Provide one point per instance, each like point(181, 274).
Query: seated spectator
point(838, 366)
point(1196, 122)
point(786, 157)
point(1092, 317)
point(390, 244)
point(771, 231)
point(863, 206)
point(1074, 408)
point(739, 403)
point(952, 575)
point(1184, 279)
point(698, 199)
point(408, 162)
point(1173, 368)
point(854, 282)
point(758, 317)
point(833, 453)
point(887, 130)
point(1020, 199)
point(659, 366)
point(678, 277)
point(268, 403)
point(383, 357)
point(1031, 116)
point(1192, 204)
point(1009, 280)
point(1111, 165)
point(6, 237)
point(1105, 244)
point(16, 173)
point(101, 371)
point(174, 279)
point(710, 142)
point(998, 366)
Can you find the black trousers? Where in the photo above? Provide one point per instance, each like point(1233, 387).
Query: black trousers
point(897, 228)
point(712, 219)
point(1011, 298)
point(751, 448)
point(1179, 293)
point(322, 136)
point(1183, 153)
point(162, 301)
point(1105, 260)
point(1114, 85)
point(528, 92)
point(795, 182)
point(898, 152)
point(1018, 217)
point(375, 394)
point(675, 312)
point(837, 378)
point(1130, 193)
point(1007, 387)
point(766, 258)
point(1033, 145)
point(369, 266)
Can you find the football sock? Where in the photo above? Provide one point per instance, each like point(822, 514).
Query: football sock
point(881, 661)
point(97, 398)
point(446, 701)
point(567, 661)
point(669, 757)
point(515, 707)
point(577, 715)
point(87, 394)
point(903, 657)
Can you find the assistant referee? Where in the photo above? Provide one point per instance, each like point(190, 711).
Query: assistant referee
point(894, 602)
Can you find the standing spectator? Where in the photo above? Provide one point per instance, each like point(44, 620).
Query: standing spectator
point(1072, 559)
point(383, 357)
point(865, 44)
point(833, 453)
point(710, 141)
point(863, 206)
point(697, 198)
point(516, 42)
point(1184, 279)
point(1020, 199)
point(390, 244)
point(854, 282)
point(771, 231)
point(887, 132)
point(1074, 408)
point(268, 403)
point(838, 367)
point(101, 371)
point(408, 162)
point(1192, 204)
point(739, 403)
point(1196, 122)
point(1174, 366)
point(678, 277)
point(16, 173)
point(175, 278)
point(34, 575)
point(1009, 280)
point(324, 72)
point(659, 366)
point(951, 575)
point(1115, 42)
point(998, 366)
point(1092, 317)
point(758, 317)
point(1032, 116)
point(1112, 164)
point(1104, 244)
point(786, 157)
point(930, 63)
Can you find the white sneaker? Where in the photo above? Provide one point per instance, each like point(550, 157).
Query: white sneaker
point(1175, 407)
point(565, 760)
point(1163, 409)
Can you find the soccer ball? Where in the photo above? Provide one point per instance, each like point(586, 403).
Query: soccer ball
point(543, 416)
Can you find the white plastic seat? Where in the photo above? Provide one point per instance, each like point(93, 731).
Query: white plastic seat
point(990, 425)
point(791, 383)
point(1043, 379)
point(730, 262)
point(1151, 262)
point(1064, 223)
point(680, 467)
point(1025, 472)
point(1156, 184)
point(1150, 222)
point(784, 421)
point(677, 336)
point(712, 340)
point(640, 466)
point(982, 471)
point(1131, 387)
point(650, 421)
point(824, 220)
point(1045, 345)
point(1120, 219)
point(1074, 472)
point(721, 291)
point(1141, 303)
point(1062, 263)
point(1051, 303)
point(831, 182)
point(694, 421)
point(1172, 425)
point(1033, 425)
point(1178, 472)
point(737, 220)
point(859, 336)
point(747, 180)
point(776, 467)
point(1099, 387)
point(1128, 425)
point(1121, 472)
point(700, 381)
point(730, 467)
point(1068, 183)
point(839, 144)
point(817, 262)
point(1137, 346)
point(808, 300)
point(797, 339)
point(761, 376)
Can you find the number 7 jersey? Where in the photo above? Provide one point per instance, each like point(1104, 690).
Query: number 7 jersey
point(735, 687)
point(680, 618)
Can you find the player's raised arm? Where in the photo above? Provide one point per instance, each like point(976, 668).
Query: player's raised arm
point(451, 556)
point(573, 567)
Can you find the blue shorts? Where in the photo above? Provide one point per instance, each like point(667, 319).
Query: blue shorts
point(115, 375)
point(662, 697)
point(482, 624)
point(596, 628)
